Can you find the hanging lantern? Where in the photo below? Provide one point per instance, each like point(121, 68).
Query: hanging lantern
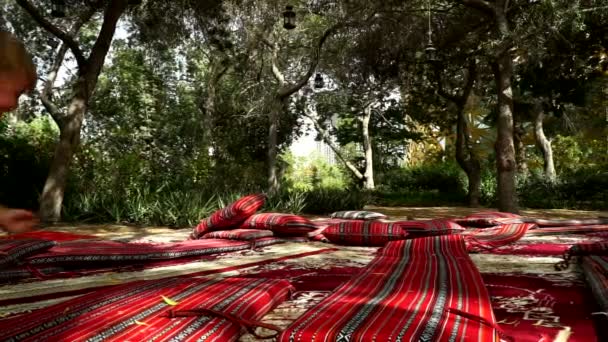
point(319, 83)
point(52, 43)
point(431, 54)
point(58, 8)
point(289, 18)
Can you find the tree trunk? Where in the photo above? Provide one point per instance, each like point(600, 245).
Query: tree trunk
point(504, 147)
point(544, 144)
point(273, 180)
point(368, 176)
point(466, 158)
point(281, 97)
point(465, 155)
point(520, 149)
point(89, 68)
point(208, 106)
point(51, 199)
point(474, 189)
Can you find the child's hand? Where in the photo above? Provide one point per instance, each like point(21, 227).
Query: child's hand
point(17, 220)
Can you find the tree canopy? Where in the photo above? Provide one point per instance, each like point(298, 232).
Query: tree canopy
point(174, 95)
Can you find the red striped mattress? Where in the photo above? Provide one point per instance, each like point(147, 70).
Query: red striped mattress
point(83, 253)
point(425, 289)
point(137, 311)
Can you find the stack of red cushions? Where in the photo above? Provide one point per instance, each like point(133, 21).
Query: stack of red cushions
point(239, 221)
point(280, 224)
point(231, 216)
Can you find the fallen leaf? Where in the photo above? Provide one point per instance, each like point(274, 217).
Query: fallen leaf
point(169, 301)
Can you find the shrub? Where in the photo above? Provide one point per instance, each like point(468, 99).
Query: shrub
point(585, 188)
point(26, 151)
point(325, 201)
point(445, 178)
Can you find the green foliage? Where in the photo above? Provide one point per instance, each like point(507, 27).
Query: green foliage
point(313, 172)
point(25, 155)
point(487, 189)
point(429, 184)
point(585, 188)
point(443, 178)
point(325, 201)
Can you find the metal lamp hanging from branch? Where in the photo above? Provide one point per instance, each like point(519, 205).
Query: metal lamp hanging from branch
point(430, 51)
point(289, 18)
point(58, 8)
point(319, 82)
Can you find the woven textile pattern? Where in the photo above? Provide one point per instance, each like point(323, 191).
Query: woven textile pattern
point(357, 215)
point(93, 252)
point(238, 234)
point(13, 251)
point(137, 312)
point(364, 233)
point(280, 224)
point(430, 227)
point(490, 238)
point(431, 292)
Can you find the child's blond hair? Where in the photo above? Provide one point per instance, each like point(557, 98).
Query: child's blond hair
point(14, 58)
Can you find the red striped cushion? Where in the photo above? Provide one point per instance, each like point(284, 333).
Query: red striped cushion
point(231, 216)
point(432, 227)
point(433, 292)
point(13, 251)
point(95, 252)
point(363, 233)
point(137, 311)
point(280, 224)
point(490, 238)
point(357, 215)
point(238, 234)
